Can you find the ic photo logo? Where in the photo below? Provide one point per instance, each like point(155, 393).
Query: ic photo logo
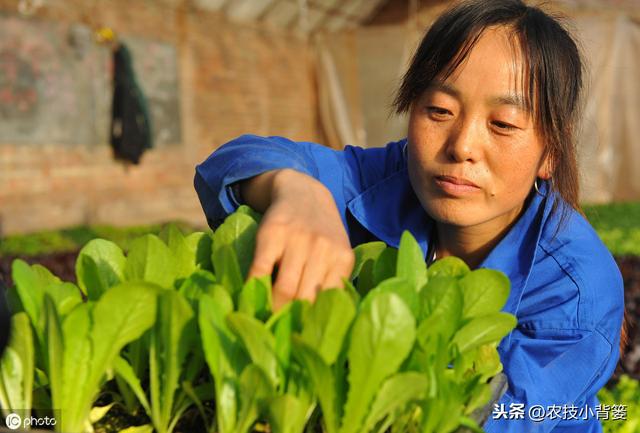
point(13, 421)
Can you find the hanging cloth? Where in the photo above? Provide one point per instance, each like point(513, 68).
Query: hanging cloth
point(131, 123)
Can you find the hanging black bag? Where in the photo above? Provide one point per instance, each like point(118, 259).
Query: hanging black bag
point(131, 123)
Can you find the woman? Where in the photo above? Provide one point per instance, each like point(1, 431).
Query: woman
point(487, 173)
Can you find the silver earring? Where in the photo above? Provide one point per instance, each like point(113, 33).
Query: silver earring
point(535, 186)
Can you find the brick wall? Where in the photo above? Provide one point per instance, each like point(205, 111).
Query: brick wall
point(233, 79)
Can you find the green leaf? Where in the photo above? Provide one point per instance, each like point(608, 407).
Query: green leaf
point(217, 339)
point(92, 336)
point(55, 356)
point(255, 298)
point(238, 232)
point(30, 282)
point(223, 354)
point(482, 330)
point(448, 267)
point(324, 383)
point(326, 323)
point(99, 266)
point(300, 305)
point(17, 366)
point(75, 363)
point(385, 266)
point(442, 310)
point(395, 393)
point(470, 424)
point(479, 396)
point(172, 337)
point(246, 210)
point(351, 291)
point(227, 269)
point(137, 354)
point(227, 396)
point(197, 284)
point(299, 385)
point(287, 414)
point(487, 362)
point(365, 257)
point(401, 287)
point(381, 339)
point(255, 388)
point(184, 253)
point(121, 316)
point(288, 322)
point(197, 394)
point(66, 296)
point(201, 243)
point(150, 260)
point(40, 378)
point(433, 411)
point(258, 342)
point(485, 291)
point(123, 369)
point(147, 428)
point(12, 373)
point(98, 412)
point(411, 264)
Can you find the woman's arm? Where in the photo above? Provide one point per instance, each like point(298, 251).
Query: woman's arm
point(257, 191)
point(303, 189)
point(345, 173)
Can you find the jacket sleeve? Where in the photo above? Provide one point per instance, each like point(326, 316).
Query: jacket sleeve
point(554, 375)
point(345, 173)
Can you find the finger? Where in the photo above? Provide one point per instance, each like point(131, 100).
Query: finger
point(313, 273)
point(269, 250)
point(289, 272)
point(341, 269)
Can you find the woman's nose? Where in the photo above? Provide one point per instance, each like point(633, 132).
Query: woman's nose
point(465, 141)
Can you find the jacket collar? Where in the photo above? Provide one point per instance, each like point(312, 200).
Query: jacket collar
point(390, 207)
point(515, 254)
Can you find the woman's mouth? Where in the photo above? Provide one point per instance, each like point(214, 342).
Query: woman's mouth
point(453, 185)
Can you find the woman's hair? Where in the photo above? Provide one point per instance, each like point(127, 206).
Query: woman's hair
point(552, 74)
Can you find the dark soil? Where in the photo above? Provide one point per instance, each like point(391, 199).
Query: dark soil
point(63, 265)
point(630, 268)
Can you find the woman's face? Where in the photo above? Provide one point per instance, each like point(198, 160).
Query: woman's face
point(473, 152)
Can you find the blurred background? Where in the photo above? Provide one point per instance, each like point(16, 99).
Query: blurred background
point(210, 70)
point(106, 106)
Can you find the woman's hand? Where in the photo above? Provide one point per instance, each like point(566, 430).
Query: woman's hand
point(301, 232)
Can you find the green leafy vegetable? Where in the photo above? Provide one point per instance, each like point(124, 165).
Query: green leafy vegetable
point(100, 265)
point(381, 339)
point(17, 368)
point(175, 324)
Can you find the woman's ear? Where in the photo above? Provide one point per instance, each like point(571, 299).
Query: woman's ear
point(546, 167)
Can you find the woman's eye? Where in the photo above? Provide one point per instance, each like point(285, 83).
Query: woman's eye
point(503, 126)
point(438, 112)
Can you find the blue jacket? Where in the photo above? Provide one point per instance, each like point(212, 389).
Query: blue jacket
point(566, 290)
